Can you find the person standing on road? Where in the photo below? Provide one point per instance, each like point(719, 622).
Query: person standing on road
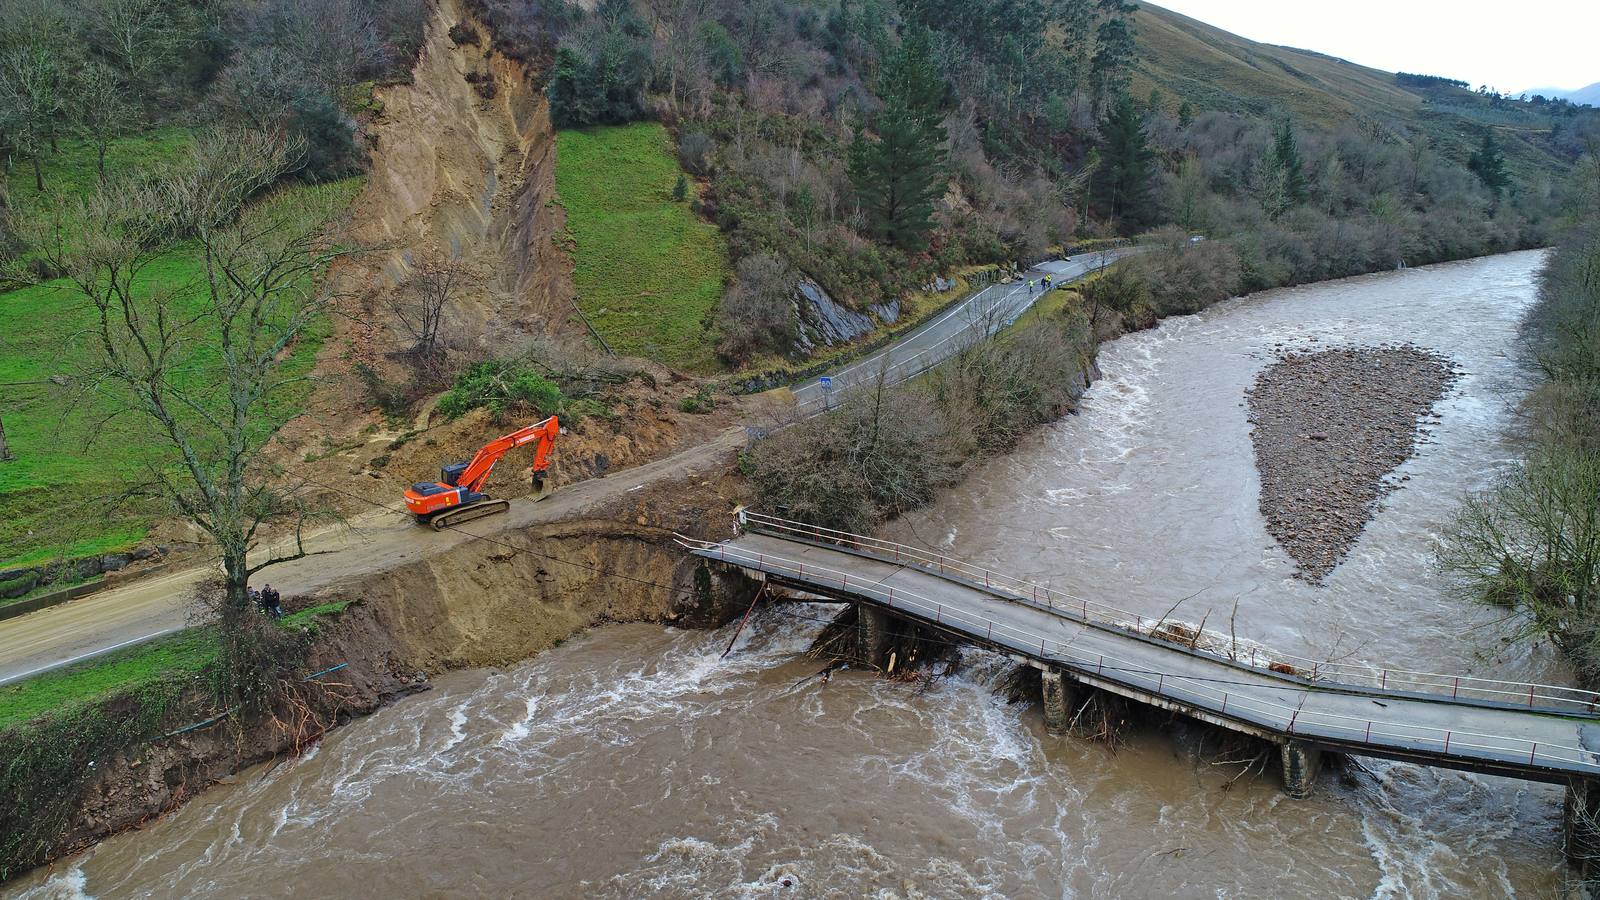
point(1030, 285)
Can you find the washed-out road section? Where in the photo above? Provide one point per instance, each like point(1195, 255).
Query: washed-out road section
point(373, 542)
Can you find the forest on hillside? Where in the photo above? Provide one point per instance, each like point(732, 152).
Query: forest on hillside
point(866, 145)
point(869, 144)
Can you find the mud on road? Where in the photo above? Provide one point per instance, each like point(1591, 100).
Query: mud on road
point(1329, 427)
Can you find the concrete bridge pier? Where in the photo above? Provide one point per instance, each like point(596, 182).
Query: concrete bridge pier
point(1056, 693)
point(1300, 764)
point(1053, 689)
point(874, 635)
point(1580, 825)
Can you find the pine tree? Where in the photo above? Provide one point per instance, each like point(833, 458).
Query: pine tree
point(1114, 48)
point(1489, 164)
point(1126, 173)
point(898, 176)
point(1286, 158)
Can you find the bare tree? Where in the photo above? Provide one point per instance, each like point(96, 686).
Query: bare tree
point(419, 304)
point(202, 364)
point(32, 100)
point(102, 109)
point(1532, 545)
point(140, 37)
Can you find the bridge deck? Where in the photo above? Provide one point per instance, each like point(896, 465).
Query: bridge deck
point(1486, 737)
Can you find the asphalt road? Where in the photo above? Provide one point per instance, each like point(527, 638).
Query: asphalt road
point(944, 335)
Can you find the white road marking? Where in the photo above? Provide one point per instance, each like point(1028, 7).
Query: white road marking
point(90, 655)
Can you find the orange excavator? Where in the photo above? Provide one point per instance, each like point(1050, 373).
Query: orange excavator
point(458, 495)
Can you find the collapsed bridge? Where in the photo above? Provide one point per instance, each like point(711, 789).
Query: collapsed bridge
point(1537, 732)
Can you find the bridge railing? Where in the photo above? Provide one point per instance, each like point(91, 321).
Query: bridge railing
point(1457, 687)
point(1200, 692)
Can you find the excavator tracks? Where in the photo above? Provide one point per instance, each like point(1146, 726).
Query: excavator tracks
point(452, 517)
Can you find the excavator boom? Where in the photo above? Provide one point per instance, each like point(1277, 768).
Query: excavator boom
point(458, 495)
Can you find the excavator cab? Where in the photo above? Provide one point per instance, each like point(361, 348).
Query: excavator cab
point(458, 495)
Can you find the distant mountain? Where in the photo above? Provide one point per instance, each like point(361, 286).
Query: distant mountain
point(1189, 60)
point(1588, 96)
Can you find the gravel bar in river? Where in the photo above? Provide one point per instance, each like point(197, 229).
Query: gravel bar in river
point(1329, 426)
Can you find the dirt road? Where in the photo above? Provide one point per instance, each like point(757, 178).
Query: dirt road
point(374, 542)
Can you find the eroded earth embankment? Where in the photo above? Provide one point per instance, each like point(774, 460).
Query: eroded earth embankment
point(490, 602)
point(1329, 428)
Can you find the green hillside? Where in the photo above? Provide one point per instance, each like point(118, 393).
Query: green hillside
point(1186, 59)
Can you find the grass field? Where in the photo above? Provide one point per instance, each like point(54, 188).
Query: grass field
point(186, 653)
point(75, 456)
point(182, 655)
point(649, 272)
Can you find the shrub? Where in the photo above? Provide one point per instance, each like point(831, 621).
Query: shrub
point(696, 151)
point(1182, 277)
point(757, 315)
point(700, 402)
point(463, 34)
point(501, 385)
point(329, 134)
point(1120, 291)
point(884, 452)
point(994, 392)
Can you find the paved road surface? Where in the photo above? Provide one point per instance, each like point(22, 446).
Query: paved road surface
point(947, 333)
point(376, 541)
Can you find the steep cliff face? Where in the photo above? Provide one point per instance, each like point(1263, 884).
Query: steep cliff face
point(463, 165)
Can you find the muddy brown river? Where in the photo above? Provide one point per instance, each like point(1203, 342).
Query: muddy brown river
point(634, 762)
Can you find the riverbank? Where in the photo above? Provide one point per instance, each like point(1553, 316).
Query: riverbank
point(89, 772)
point(1329, 426)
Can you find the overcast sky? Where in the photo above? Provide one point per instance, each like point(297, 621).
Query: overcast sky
point(1509, 46)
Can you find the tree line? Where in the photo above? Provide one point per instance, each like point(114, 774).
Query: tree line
point(97, 70)
point(868, 145)
point(1531, 542)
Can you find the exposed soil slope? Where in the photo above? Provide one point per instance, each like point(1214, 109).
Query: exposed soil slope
point(471, 176)
point(1329, 426)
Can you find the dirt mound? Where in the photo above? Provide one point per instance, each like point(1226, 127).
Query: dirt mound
point(1329, 427)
